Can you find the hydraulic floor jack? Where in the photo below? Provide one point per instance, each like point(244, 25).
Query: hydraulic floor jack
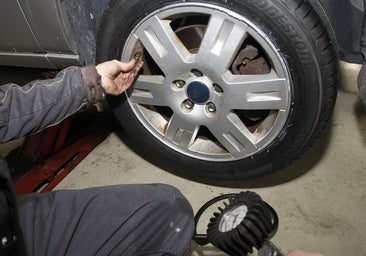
point(47, 157)
point(245, 222)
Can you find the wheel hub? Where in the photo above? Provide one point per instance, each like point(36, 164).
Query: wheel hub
point(198, 92)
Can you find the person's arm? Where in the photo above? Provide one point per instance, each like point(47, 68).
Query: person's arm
point(38, 104)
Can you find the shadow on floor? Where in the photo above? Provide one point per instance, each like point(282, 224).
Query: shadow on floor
point(360, 112)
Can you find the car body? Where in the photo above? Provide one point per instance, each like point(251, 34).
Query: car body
point(187, 106)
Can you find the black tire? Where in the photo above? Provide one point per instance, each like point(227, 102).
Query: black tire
point(303, 37)
point(361, 83)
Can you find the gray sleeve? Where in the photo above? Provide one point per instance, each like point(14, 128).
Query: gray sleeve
point(41, 103)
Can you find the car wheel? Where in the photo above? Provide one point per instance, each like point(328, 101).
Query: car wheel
point(229, 89)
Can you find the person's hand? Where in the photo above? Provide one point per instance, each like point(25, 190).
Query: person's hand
point(118, 76)
point(302, 253)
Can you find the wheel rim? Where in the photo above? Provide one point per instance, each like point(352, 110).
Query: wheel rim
point(213, 85)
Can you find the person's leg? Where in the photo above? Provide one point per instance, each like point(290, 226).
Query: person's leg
point(115, 220)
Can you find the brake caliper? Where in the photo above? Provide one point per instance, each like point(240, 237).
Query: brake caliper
point(248, 62)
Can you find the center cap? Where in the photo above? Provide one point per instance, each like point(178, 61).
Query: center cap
point(198, 92)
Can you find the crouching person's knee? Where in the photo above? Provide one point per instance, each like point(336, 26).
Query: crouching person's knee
point(176, 205)
point(179, 218)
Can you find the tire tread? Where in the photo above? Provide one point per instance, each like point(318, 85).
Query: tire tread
point(319, 31)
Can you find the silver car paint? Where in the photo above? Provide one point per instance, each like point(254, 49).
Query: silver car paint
point(35, 34)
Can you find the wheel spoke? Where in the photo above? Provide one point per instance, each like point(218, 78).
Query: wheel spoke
point(149, 90)
point(267, 91)
point(163, 45)
point(220, 43)
point(181, 132)
point(234, 135)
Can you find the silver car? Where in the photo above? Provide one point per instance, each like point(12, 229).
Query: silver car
point(230, 89)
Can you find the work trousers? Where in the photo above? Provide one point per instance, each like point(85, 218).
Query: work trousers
point(118, 220)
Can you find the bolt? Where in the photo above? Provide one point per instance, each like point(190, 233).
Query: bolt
point(196, 72)
point(179, 83)
point(188, 104)
point(138, 56)
point(218, 88)
point(211, 107)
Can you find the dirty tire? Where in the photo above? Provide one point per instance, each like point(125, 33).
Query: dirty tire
point(296, 41)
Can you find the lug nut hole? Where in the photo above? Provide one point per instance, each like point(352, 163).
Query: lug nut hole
point(211, 107)
point(218, 89)
point(196, 72)
point(188, 104)
point(179, 83)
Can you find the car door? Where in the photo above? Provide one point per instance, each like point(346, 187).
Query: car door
point(34, 34)
point(16, 36)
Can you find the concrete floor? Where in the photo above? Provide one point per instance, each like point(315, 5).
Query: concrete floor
point(320, 199)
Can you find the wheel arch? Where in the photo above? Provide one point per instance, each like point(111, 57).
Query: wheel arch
point(85, 17)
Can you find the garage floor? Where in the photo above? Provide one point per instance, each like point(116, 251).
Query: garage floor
point(320, 199)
